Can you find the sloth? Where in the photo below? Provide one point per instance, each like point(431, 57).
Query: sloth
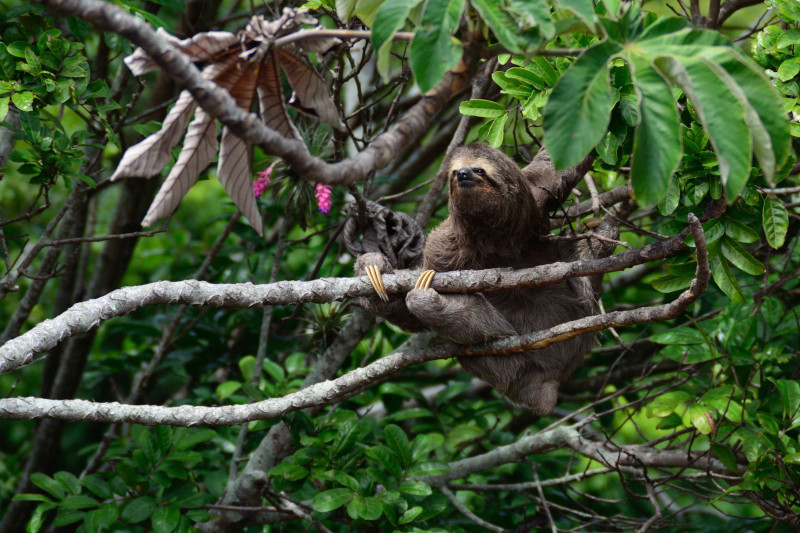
point(499, 219)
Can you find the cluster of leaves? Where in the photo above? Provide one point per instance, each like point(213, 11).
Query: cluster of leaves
point(343, 463)
point(153, 482)
point(42, 72)
point(371, 469)
point(747, 417)
point(778, 52)
point(730, 98)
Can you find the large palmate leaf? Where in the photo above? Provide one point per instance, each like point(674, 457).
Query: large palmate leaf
point(248, 66)
point(738, 108)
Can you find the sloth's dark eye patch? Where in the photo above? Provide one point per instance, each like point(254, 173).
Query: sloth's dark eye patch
point(482, 173)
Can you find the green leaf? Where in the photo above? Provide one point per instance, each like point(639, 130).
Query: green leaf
point(544, 70)
point(390, 18)
point(672, 282)
point(434, 50)
point(341, 478)
point(37, 519)
point(247, 366)
point(496, 131)
point(415, 488)
point(741, 258)
point(186, 438)
point(665, 404)
point(289, 471)
point(727, 457)
point(776, 221)
point(367, 10)
point(410, 515)
point(227, 389)
point(531, 14)
point(577, 114)
point(165, 519)
point(681, 335)
point(505, 27)
point(69, 517)
point(368, 508)
point(329, 500)
point(23, 100)
point(670, 202)
point(33, 62)
point(347, 434)
point(764, 117)
point(344, 9)
point(725, 279)
point(700, 418)
point(583, 9)
point(721, 114)
point(7, 64)
point(387, 459)
point(772, 309)
point(424, 443)
point(739, 231)
point(49, 485)
point(275, 371)
point(656, 142)
point(31, 498)
point(788, 69)
point(525, 76)
point(790, 395)
point(788, 38)
point(482, 108)
point(68, 481)
point(79, 501)
point(138, 510)
point(398, 441)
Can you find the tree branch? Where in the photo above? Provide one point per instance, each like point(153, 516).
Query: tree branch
point(85, 316)
point(219, 104)
point(327, 392)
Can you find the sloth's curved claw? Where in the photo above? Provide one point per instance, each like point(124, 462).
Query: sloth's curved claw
point(424, 281)
point(374, 275)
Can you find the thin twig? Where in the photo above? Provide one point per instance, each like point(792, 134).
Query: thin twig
point(463, 509)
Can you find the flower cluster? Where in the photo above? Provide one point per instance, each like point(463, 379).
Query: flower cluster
point(262, 182)
point(323, 194)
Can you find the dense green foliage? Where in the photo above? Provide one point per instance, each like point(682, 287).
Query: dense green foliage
point(689, 114)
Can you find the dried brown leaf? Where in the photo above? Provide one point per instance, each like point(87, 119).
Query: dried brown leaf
point(202, 47)
point(233, 172)
point(271, 104)
point(149, 156)
point(198, 150)
point(310, 89)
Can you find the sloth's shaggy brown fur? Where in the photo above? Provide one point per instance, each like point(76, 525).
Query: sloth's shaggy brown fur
point(497, 219)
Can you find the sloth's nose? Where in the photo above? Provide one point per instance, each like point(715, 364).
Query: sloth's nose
point(463, 174)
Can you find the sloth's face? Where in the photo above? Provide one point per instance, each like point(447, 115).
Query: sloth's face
point(478, 188)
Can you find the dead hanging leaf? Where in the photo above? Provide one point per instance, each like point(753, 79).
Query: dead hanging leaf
point(248, 66)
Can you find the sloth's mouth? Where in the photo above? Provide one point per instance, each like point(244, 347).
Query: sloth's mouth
point(468, 182)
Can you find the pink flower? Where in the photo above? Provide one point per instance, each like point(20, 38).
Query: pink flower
point(323, 194)
point(262, 182)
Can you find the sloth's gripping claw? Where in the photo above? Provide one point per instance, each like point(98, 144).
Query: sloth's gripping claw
point(374, 274)
point(424, 281)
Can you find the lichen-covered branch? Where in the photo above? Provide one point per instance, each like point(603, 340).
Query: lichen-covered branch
point(86, 316)
point(353, 382)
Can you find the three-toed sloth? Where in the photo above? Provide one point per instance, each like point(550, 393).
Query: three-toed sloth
point(498, 218)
